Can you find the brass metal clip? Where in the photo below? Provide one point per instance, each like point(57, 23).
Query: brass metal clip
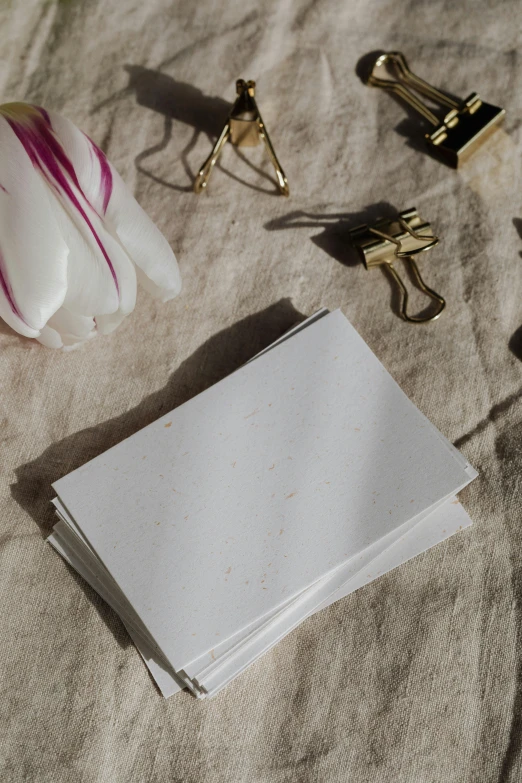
point(245, 128)
point(464, 128)
point(402, 237)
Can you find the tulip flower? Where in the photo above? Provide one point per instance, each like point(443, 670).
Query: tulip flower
point(73, 240)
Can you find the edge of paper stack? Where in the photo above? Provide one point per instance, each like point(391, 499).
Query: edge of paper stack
point(166, 573)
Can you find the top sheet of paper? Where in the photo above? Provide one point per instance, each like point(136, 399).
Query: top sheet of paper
point(244, 496)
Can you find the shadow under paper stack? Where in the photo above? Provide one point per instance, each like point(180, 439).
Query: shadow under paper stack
point(216, 530)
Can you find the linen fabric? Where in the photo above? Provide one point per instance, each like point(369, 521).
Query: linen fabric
point(417, 677)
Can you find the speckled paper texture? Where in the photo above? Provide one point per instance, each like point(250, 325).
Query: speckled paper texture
point(222, 510)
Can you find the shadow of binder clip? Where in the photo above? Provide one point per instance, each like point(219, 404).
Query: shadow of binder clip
point(464, 128)
point(399, 238)
point(245, 128)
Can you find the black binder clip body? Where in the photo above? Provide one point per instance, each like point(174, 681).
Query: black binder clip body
point(399, 238)
point(464, 128)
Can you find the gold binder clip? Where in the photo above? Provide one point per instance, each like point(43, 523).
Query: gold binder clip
point(401, 237)
point(245, 128)
point(465, 126)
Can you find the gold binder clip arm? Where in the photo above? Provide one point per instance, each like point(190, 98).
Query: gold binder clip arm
point(465, 127)
point(206, 169)
point(402, 237)
point(244, 128)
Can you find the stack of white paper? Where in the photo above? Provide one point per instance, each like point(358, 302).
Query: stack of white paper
point(216, 530)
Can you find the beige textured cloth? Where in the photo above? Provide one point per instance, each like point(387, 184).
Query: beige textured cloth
point(415, 678)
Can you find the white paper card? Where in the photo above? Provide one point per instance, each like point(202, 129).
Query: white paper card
point(218, 528)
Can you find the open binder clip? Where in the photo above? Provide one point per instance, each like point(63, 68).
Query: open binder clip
point(245, 128)
point(464, 127)
point(402, 237)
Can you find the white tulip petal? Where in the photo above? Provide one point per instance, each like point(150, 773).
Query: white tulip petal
point(145, 243)
point(67, 330)
point(94, 177)
point(73, 240)
point(104, 188)
point(8, 314)
point(91, 286)
point(33, 254)
point(32, 125)
point(90, 164)
point(108, 323)
point(50, 338)
point(152, 288)
point(72, 327)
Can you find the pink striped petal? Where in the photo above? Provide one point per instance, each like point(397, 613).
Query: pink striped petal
point(35, 132)
point(91, 167)
point(33, 254)
point(105, 189)
point(144, 242)
point(90, 289)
